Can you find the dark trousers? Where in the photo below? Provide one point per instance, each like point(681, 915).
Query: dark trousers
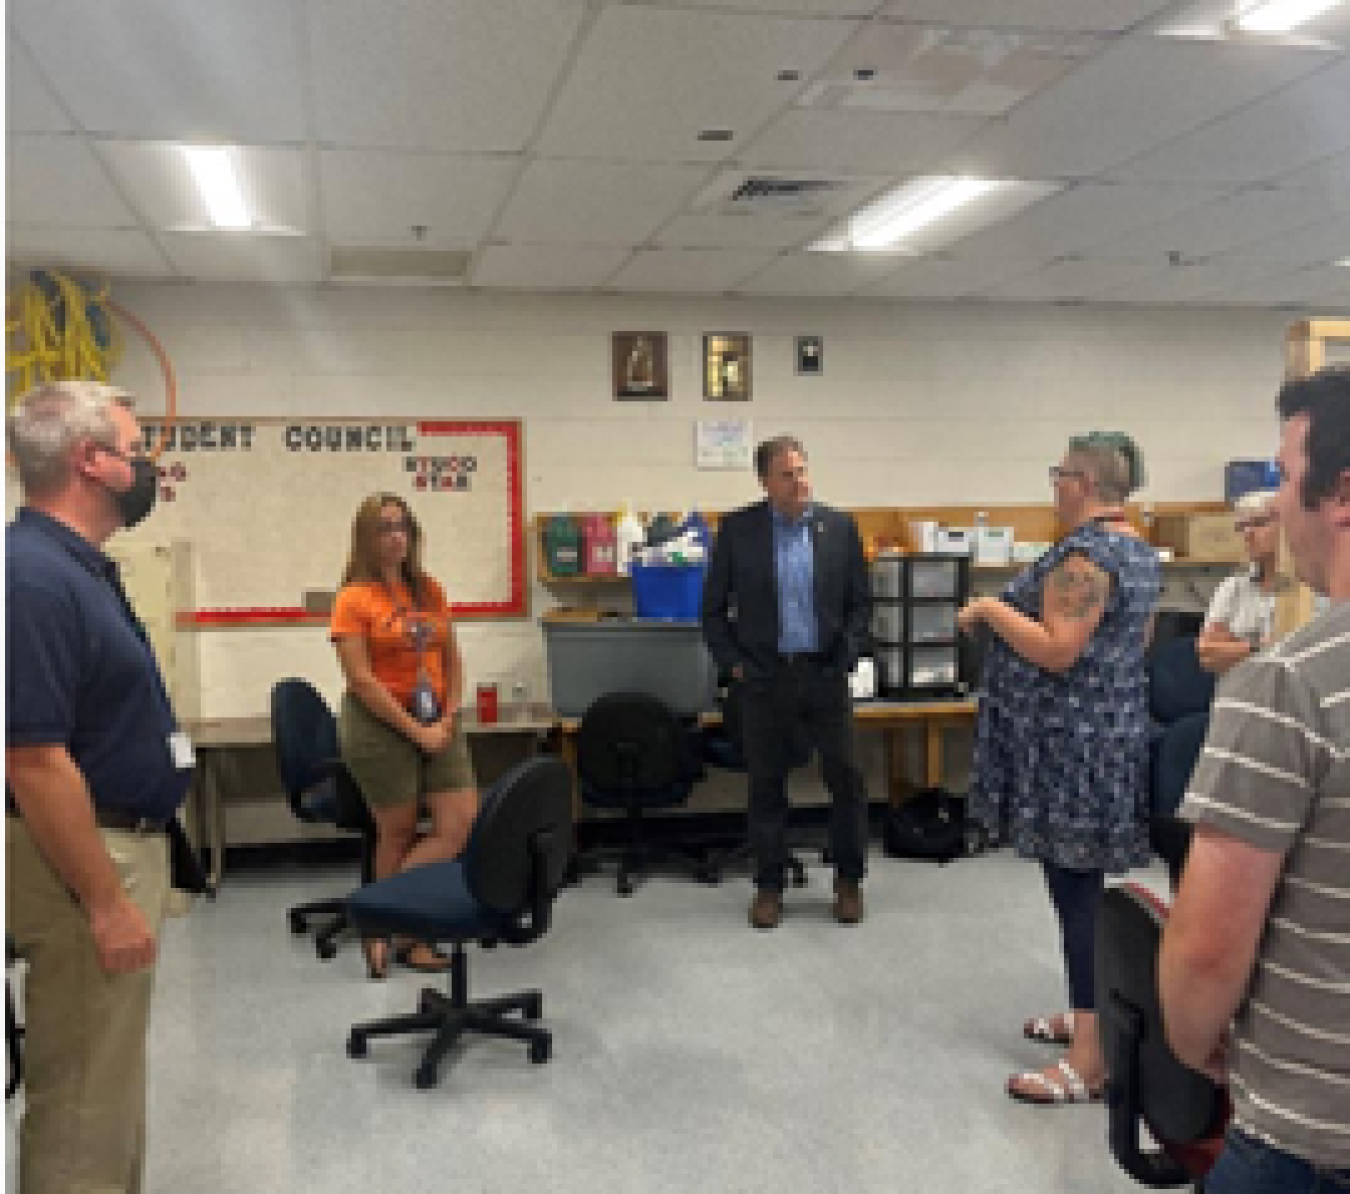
point(801, 704)
point(1077, 895)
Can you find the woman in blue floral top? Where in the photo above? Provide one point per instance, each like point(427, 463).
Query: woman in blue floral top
point(1061, 747)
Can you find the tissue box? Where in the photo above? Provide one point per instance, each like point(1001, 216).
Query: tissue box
point(993, 545)
point(954, 541)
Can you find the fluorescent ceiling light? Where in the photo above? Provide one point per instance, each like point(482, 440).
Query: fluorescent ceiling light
point(1345, 261)
point(886, 222)
point(213, 171)
point(1280, 16)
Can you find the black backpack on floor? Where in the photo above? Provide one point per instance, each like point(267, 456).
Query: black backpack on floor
point(930, 826)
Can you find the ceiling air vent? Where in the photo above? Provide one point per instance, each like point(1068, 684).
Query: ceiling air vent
point(398, 267)
point(738, 193)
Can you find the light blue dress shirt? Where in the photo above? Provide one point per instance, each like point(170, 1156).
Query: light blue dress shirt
point(795, 565)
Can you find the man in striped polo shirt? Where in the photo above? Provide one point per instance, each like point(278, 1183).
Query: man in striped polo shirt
point(1255, 971)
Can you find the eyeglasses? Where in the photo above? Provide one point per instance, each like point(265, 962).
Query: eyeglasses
point(395, 528)
point(1064, 474)
point(1253, 524)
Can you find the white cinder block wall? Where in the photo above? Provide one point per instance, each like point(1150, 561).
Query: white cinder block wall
point(916, 404)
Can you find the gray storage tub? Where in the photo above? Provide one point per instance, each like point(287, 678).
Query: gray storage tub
point(669, 660)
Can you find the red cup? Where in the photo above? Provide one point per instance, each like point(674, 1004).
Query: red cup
point(487, 704)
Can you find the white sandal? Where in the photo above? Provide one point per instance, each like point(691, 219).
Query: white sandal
point(1074, 1090)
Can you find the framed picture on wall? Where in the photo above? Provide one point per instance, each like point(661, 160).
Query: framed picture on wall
point(726, 367)
point(640, 366)
point(810, 355)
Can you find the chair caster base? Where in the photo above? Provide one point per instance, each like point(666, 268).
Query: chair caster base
point(540, 1051)
point(356, 1045)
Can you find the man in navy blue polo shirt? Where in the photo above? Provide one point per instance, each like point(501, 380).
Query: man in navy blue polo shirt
point(95, 768)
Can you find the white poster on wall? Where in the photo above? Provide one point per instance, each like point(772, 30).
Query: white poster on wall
point(723, 443)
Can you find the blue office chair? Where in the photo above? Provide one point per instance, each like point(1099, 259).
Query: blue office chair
point(320, 791)
point(1180, 692)
point(500, 889)
point(634, 754)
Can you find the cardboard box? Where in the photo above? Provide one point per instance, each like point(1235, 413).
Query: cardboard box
point(1200, 537)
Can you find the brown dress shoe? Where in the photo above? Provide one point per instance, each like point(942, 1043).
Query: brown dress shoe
point(766, 910)
point(848, 902)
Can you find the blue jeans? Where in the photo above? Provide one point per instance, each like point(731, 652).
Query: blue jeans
point(1247, 1166)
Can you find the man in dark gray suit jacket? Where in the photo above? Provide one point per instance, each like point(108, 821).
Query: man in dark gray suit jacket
point(786, 611)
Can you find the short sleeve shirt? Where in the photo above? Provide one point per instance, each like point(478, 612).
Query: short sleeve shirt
point(79, 671)
point(400, 633)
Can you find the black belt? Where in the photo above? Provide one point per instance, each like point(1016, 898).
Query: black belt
point(124, 818)
point(819, 658)
point(115, 818)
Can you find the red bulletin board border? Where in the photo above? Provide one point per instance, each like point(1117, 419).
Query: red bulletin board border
point(516, 606)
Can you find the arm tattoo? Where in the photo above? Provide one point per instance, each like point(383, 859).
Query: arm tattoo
point(1078, 593)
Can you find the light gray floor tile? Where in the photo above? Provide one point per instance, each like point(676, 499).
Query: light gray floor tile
point(690, 1053)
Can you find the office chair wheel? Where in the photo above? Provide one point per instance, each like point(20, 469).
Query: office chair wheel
point(297, 922)
point(624, 887)
point(356, 1045)
point(326, 950)
point(709, 875)
point(540, 1051)
point(424, 1077)
point(798, 876)
point(534, 1008)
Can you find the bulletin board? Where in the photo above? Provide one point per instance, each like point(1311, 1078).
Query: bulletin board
point(267, 506)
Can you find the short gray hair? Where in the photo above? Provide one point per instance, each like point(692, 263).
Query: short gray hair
point(771, 449)
point(1257, 501)
point(50, 419)
point(1113, 460)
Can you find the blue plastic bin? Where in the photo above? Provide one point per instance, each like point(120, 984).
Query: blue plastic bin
point(1244, 476)
point(671, 591)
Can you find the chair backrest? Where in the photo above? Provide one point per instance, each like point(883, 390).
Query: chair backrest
point(304, 733)
point(631, 740)
point(522, 837)
point(1177, 684)
point(1184, 1110)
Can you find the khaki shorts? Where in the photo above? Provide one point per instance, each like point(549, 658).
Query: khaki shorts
point(389, 768)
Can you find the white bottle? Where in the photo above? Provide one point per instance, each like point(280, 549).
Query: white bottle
point(628, 536)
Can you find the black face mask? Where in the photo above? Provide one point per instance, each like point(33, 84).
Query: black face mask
point(138, 499)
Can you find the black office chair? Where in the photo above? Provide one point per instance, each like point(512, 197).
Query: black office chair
point(723, 747)
point(500, 889)
point(634, 754)
point(1185, 1112)
point(1180, 692)
point(320, 791)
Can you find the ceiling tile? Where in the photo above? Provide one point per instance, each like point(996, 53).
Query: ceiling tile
point(700, 271)
point(462, 75)
point(890, 142)
point(244, 257)
point(1327, 287)
point(1272, 137)
point(165, 70)
point(821, 274)
point(936, 69)
point(1067, 280)
point(547, 267)
point(818, 8)
point(118, 252)
point(595, 202)
point(1330, 174)
point(648, 80)
point(156, 177)
point(57, 182)
point(1187, 284)
point(376, 197)
point(1106, 16)
point(1236, 221)
point(948, 277)
point(29, 104)
point(1138, 94)
point(1084, 216)
point(1321, 243)
point(738, 232)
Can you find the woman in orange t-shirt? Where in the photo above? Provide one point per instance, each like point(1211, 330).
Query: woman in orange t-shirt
point(399, 729)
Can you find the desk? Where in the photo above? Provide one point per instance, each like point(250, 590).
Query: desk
point(214, 739)
point(896, 718)
point(893, 718)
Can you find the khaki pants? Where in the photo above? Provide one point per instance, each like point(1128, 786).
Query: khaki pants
point(83, 1129)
